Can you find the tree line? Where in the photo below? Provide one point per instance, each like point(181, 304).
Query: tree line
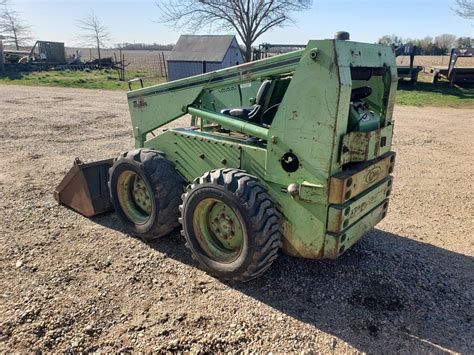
point(439, 45)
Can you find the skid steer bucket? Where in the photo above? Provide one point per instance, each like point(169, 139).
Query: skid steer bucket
point(84, 188)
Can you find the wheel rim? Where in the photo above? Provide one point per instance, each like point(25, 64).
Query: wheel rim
point(134, 197)
point(218, 230)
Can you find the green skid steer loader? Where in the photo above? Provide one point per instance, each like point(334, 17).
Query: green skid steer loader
point(291, 152)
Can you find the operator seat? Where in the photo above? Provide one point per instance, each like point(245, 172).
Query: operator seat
point(254, 112)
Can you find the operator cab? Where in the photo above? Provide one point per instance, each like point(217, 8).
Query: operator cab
point(265, 105)
point(270, 95)
point(251, 113)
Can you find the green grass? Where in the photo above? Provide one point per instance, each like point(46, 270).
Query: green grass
point(97, 79)
point(422, 94)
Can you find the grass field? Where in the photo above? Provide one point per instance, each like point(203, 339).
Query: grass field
point(100, 79)
point(424, 93)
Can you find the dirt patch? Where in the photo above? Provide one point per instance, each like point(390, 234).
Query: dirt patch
point(74, 284)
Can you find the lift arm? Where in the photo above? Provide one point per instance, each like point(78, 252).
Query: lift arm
point(155, 106)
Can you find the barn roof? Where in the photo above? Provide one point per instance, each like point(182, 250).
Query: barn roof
point(196, 48)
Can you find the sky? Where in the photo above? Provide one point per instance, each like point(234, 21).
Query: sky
point(137, 21)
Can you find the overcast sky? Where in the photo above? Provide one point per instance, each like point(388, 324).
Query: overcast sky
point(136, 21)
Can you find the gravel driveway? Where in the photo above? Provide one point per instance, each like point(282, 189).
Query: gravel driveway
point(68, 283)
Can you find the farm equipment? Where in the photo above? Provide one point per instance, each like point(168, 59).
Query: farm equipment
point(43, 52)
point(47, 55)
point(291, 152)
point(14, 57)
point(410, 71)
point(455, 75)
point(266, 50)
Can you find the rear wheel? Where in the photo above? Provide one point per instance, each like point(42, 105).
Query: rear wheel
point(145, 191)
point(231, 225)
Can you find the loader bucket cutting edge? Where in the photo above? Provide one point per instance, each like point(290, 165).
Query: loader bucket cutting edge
point(84, 188)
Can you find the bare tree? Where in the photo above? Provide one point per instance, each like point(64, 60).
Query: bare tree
point(464, 42)
point(426, 44)
point(12, 26)
point(465, 9)
point(391, 40)
point(445, 42)
point(94, 33)
point(249, 18)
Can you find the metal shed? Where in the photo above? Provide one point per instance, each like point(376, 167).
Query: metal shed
point(196, 54)
point(49, 52)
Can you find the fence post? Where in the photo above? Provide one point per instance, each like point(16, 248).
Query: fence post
point(2, 66)
point(160, 64)
point(164, 65)
point(123, 67)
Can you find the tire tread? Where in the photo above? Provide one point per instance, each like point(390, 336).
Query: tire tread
point(167, 188)
point(265, 219)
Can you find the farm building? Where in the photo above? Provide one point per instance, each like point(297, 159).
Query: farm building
point(50, 52)
point(195, 54)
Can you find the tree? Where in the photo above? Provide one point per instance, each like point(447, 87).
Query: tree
point(249, 18)
point(94, 33)
point(445, 42)
point(390, 40)
point(12, 26)
point(465, 9)
point(464, 42)
point(426, 45)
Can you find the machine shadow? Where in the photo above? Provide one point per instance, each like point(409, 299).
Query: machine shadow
point(387, 288)
point(388, 293)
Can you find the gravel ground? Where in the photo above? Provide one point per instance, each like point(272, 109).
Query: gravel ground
point(68, 283)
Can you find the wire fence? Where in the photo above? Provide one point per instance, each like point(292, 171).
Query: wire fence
point(150, 64)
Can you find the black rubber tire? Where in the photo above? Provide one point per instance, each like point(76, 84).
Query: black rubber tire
point(165, 185)
point(260, 220)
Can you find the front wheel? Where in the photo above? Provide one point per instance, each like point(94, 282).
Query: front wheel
point(231, 224)
point(145, 190)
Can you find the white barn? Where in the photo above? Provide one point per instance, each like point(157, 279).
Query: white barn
point(195, 54)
